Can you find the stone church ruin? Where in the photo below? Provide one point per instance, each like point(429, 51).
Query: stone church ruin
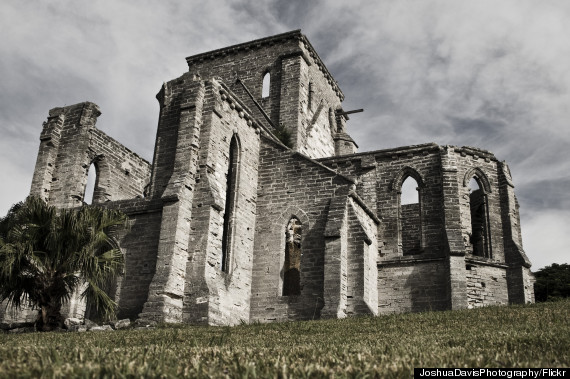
point(228, 224)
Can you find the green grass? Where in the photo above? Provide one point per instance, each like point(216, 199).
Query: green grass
point(388, 346)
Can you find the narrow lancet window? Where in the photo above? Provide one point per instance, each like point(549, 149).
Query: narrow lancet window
point(310, 97)
point(410, 217)
point(292, 264)
point(479, 239)
point(231, 196)
point(266, 85)
point(91, 185)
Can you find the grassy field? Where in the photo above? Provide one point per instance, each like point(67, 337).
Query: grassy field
point(387, 346)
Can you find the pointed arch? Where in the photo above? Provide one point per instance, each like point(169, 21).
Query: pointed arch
point(266, 85)
point(280, 229)
point(402, 175)
point(97, 177)
point(232, 181)
point(91, 184)
point(410, 221)
point(409, 191)
point(292, 262)
point(480, 230)
point(480, 177)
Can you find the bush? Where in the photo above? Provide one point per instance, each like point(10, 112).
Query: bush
point(552, 282)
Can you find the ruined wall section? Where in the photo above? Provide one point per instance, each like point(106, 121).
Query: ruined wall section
point(248, 63)
point(47, 154)
point(291, 185)
point(70, 143)
point(486, 284)
point(214, 296)
point(11, 317)
point(302, 91)
point(63, 159)
point(121, 174)
point(505, 258)
point(412, 286)
point(380, 174)
point(318, 104)
point(483, 166)
point(405, 282)
point(393, 167)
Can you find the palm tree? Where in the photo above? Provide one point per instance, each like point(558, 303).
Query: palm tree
point(47, 253)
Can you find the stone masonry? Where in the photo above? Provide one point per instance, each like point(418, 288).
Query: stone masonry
point(230, 225)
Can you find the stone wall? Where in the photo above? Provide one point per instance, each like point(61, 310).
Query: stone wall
point(412, 285)
point(483, 166)
point(486, 284)
point(139, 245)
point(380, 175)
point(69, 145)
point(212, 295)
point(283, 193)
point(410, 222)
point(302, 92)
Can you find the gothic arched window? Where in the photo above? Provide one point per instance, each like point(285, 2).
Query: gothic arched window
point(410, 217)
point(231, 196)
point(92, 179)
point(266, 85)
point(479, 239)
point(292, 264)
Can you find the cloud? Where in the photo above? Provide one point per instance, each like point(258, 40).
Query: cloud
point(488, 74)
point(546, 235)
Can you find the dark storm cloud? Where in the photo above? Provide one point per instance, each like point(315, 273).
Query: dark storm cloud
point(544, 195)
point(475, 127)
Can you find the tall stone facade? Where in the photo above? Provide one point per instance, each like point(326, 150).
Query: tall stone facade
point(228, 224)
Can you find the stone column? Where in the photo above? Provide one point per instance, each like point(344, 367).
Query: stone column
point(520, 280)
point(47, 154)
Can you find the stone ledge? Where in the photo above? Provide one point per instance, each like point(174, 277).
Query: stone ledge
point(484, 262)
point(409, 261)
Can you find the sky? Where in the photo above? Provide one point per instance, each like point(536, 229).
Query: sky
point(487, 73)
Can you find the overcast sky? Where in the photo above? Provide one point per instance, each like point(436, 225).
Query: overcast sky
point(490, 74)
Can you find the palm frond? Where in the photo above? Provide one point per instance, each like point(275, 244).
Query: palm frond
point(49, 252)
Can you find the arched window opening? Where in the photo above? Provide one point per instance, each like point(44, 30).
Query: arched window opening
point(266, 85)
point(473, 185)
point(410, 218)
point(479, 238)
point(91, 184)
point(410, 191)
point(231, 196)
point(292, 265)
